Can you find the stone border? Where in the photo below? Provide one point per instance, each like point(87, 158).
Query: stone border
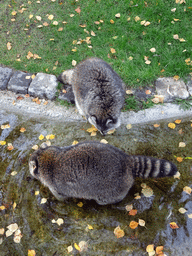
point(44, 86)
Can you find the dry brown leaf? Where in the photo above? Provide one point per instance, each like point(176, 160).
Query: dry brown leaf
point(112, 21)
point(133, 212)
point(156, 125)
point(159, 250)
point(22, 129)
point(176, 77)
point(179, 159)
point(112, 50)
point(10, 146)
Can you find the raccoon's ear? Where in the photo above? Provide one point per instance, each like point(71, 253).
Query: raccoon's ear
point(33, 167)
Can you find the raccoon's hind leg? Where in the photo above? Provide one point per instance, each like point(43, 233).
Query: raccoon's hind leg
point(66, 77)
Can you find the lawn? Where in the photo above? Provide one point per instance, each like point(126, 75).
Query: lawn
point(142, 40)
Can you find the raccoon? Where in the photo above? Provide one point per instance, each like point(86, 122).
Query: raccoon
point(93, 170)
point(99, 92)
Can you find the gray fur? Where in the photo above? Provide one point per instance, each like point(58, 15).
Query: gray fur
point(93, 170)
point(99, 92)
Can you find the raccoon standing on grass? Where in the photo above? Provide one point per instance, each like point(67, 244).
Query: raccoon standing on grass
point(99, 92)
point(93, 170)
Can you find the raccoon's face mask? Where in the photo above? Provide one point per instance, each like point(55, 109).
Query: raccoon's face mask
point(104, 125)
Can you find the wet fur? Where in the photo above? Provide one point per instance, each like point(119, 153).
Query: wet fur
point(99, 92)
point(93, 170)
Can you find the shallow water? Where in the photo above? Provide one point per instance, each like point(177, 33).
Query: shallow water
point(90, 222)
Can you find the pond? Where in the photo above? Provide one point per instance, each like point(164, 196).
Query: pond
point(45, 226)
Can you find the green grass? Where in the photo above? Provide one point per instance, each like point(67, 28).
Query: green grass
point(133, 39)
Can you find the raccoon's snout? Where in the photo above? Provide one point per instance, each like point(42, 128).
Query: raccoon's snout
point(33, 167)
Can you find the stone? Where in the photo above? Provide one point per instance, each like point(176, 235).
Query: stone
point(170, 88)
point(43, 86)
point(5, 74)
point(19, 82)
point(189, 85)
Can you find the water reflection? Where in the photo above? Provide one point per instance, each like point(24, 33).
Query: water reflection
point(21, 195)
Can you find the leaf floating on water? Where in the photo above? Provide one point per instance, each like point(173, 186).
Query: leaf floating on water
point(31, 253)
point(70, 248)
point(41, 137)
point(43, 200)
point(80, 204)
point(141, 223)
point(173, 225)
point(118, 232)
point(182, 210)
point(187, 190)
point(171, 125)
point(133, 224)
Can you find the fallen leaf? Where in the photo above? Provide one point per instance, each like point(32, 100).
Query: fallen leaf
point(2, 230)
point(173, 225)
point(90, 227)
point(182, 40)
point(176, 36)
point(179, 159)
point(36, 192)
point(30, 16)
point(159, 250)
point(112, 21)
point(137, 18)
point(14, 13)
point(133, 212)
point(129, 207)
point(41, 137)
point(2, 207)
point(129, 92)
point(10, 146)
point(133, 224)
point(92, 33)
point(77, 247)
point(150, 248)
point(177, 175)
point(113, 50)
point(43, 200)
point(173, 10)
point(147, 62)
point(80, 204)
point(130, 58)
point(177, 121)
point(78, 10)
point(118, 232)
point(59, 221)
point(147, 191)
point(129, 126)
point(2, 142)
point(50, 17)
point(50, 137)
point(118, 15)
point(147, 92)
point(9, 46)
point(152, 50)
point(75, 142)
point(190, 215)
point(74, 63)
point(92, 129)
point(70, 248)
point(147, 23)
point(141, 223)
point(60, 29)
point(29, 55)
point(171, 125)
point(5, 126)
point(22, 129)
point(83, 25)
point(111, 131)
point(104, 141)
point(13, 173)
point(13, 227)
point(83, 245)
point(182, 210)
point(55, 23)
point(71, 15)
point(31, 253)
point(176, 77)
point(156, 125)
point(38, 18)
point(182, 144)
point(187, 190)
point(35, 147)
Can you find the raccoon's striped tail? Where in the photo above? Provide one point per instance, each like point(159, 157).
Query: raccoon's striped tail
point(145, 167)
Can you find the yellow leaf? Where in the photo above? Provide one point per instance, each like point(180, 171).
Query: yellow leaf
point(50, 17)
point(104, 141)
point(156, 125)
point(90, 227)
point(31, 253)
point(173, 225)
point(187, 190)
point(112, 21)
point(147, 23)
point(14, 13)
point(133, 224)
point(182, 40)
point(177, 121)
point(93, 134)
point(77, 247)
point(6, 126)
point(75, 142)
point(50, 137)
point(159, 250)
point(2, 207)
point(9, 46)
point(129, 126)
point(113, 50)
point(70, 248)
point(118, 232)
point(59, 221)
point(92, 33)
point(92, 129)
point(36, 192)
point(29, 55)
point(41, 137)
point(130, 58)
point(171, 125)
point(176, 77)
point(150, 248)
point(111, 131)
point(80, 204)
point(35, 147)
point(13, 173)
point(30, 16)
point(137, 18)
point(2, 142)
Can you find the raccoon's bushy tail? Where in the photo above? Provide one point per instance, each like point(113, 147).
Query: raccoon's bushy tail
point(145, 167)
